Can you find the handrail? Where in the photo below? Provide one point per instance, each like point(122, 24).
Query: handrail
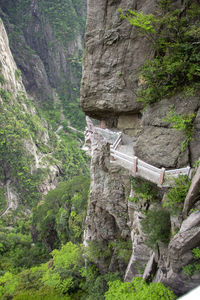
point(117, 142)
point(137, 166)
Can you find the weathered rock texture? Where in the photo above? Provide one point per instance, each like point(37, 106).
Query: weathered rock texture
point(44, 60)
point(178, 255)
point(113, 54)
point(141, 253)
point(159, 144)
point(15, 87)
point(107, 212)
point(193, 194)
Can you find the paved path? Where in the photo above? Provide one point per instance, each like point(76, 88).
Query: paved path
point(123, 154)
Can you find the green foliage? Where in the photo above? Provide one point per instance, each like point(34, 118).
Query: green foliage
point(196, 164)
point(17, 250)
point(184, 123)
point(60, 216)
point(98, 250)
point(156, 225)
point(95, 284)
point(140, 20)
point(138, 289)
point(193, 268)
point(16, 126)
point(63, 17)
point(143, 190)
point(67, 21)
point(73, 112)
point(18, 74)
point(3, 201)
point(196, 253)
point(45, 293)
point(8, 284)
point(2, 79)
point(74, 160)
point(63, 275)
point(19, 128)
point(175, 38)
point(17, 11)
point(122, 249)
point(176, 195)
point(48, 280)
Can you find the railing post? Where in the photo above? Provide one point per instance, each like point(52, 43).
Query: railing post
point(103, 124)
point(189, 173)
point(135, 162)
point(111, 150)
point(162, 176)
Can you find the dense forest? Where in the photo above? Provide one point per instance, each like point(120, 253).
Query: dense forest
point(42, 166)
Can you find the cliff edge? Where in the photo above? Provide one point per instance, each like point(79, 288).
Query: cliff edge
point(114, 53)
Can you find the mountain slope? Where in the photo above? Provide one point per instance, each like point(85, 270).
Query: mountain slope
point(46, 41)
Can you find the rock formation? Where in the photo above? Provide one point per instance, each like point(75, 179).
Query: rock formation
point(113, 54)
point(12, 89)
point(45, 50)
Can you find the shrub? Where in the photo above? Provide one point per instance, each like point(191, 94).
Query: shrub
point(45, 293)
point(138, 289)
point(97, 250)
point(122, 249)
point(143, 190)
point(194, 267)
point(174, 36)
point(177, 193)
point(182, 122)
point(18, 74)
point(156, 226)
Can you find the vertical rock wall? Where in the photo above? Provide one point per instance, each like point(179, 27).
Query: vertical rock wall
point(12, 89)
point(107, 214)
point(113, 53)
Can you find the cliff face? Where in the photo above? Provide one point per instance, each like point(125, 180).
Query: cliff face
point(113, 54)
point(46, 41)
point(22, 134)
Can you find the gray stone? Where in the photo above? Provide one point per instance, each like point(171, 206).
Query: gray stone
point(140, 253)
point(180, 245)
point(194, 144)
point(158, 143)
point(193, 194)
point(39, 160)
point(192, 221)
point(107, 215)
point(43, 60)
point(178, 283)
point(113, 54)
point(150, 267)
point(156, 113)
point(161, 147)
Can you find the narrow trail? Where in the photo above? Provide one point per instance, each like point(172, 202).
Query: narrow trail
point(9, 204)
point(122, 154)
point(70, 127)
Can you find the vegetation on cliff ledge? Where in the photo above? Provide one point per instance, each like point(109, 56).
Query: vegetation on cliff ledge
point(175, 37)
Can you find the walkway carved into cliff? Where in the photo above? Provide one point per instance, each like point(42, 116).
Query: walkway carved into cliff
point(122, 154)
